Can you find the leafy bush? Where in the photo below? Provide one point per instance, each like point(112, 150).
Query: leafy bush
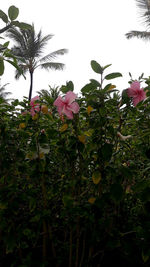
point(75, 192)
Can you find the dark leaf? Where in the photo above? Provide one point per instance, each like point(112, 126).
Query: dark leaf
point(95, 82)
point(106, 151)
point(1, 67)
point(16, 66)
point(70, 86)
point(3, 16)
point(96, 67)
point(107, 66)
point(6, 44)
point(113, 75)
point(107, 87)
point(88, 87)
point(116, 192)
point(21, 25)
point(13, 12)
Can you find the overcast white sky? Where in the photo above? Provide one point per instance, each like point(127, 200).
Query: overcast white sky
point(91, 30)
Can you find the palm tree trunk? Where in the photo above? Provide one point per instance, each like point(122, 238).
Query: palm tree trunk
point(31, 85)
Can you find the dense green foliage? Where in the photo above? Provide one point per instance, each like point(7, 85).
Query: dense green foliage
point(75, 192)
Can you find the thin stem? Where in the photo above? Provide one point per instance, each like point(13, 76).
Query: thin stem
point(77, 243)
point(44, 239)
point(83, 251)
point(70, 249)
point(101, 81)
point(52, 244)
point(5, 28)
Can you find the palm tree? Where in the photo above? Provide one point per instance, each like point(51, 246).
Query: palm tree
point(144, 7)
point(28, 51)
point(49, 95)
point(3, 93)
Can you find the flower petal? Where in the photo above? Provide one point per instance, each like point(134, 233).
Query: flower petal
point(70, 97)
point(135, 85)
point(37, 108)
point(134, 89)
point(33, 100)
point(135, 101)
point(59, 102)
point(140, 96)
point(130, 92)
point(74, 107)
point(32, 112)
point(67, 112)
point(65, 106)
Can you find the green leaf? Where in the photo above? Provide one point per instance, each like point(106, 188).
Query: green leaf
point(3, 206)
point(15, 23)
point(116, 192)
point(16, 66)
point(6, 44)
point(67, 201)
point(3, 16)
point(106, 88)
point(96, 177)
point(70, 86)
point(106, 151)
point(21, 25)
point(140, 186)
point(32, 204)
point(24, 26)
point(8, 54)
point(13, 12)
point(113, 75)
point(88, 87)
point(145, 257)
point(95, 82)
point(125, 97)
point(107, 66)
point(145, 196)
point(96, 67)
point(1, 67)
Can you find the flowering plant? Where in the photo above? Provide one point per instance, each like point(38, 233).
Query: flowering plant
point(138, 94)
point(67, 105)
point(35, 106)
point(76, 193)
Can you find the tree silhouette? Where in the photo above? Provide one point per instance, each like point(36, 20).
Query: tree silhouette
point(28, 51)
point(3, 93)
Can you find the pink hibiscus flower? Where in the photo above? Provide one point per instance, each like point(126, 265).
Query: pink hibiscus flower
point(67, 105)
point(137, 93)
point(35, 107)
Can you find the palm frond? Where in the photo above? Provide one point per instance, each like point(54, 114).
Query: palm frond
point(144, 11)
point(4, 94)
point(20, 38)
point(52, 65)
point(50, 95)
point(142, 35)
point(45, 39)
point(53, 55)
point(24, 69)
point(40, 43)
point(17, 36)
point(29, 48)
point(143, 4)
